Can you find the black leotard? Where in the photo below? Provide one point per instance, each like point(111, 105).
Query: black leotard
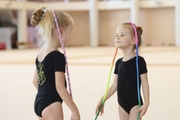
point(47, 93)
point(127, 81)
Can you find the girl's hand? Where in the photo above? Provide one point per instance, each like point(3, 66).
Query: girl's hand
point(75, 115)
point(143, 110)
point(98, 108)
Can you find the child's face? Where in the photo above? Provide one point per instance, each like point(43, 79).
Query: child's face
point(67, 35)
point(123, 37)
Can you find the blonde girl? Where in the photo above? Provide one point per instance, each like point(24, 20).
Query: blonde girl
point(49, 77)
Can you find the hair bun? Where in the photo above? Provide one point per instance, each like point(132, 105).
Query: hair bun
point(37, 16)
point(139, 30)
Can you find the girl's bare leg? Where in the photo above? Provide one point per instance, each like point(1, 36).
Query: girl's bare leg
point(123, 115)
point(53, 112)
point(40, 118)
point(134, 113)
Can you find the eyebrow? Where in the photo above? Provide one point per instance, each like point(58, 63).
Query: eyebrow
point(121, 32)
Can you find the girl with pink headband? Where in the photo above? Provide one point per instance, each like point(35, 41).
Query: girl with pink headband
point(130, 73)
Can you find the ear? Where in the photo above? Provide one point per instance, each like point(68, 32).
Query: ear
point(61, 30)
point(133, 41)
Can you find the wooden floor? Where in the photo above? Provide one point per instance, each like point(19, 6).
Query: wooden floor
point(89, 69)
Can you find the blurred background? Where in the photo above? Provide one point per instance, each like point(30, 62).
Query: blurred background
point(93, 20)
point(90, 53)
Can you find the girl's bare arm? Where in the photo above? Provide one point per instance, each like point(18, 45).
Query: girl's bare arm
point(62, 91)
point(145, 88)
point(112, 88)
point(111, 91)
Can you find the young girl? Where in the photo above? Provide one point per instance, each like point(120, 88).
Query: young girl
point(125, 81)
point(49, 77)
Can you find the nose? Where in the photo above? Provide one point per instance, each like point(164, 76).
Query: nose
point(117, 38)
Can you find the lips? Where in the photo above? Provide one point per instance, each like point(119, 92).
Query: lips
point(117, 41)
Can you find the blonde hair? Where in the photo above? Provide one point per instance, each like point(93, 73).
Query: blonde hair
point(138, 29)
point(43, 19)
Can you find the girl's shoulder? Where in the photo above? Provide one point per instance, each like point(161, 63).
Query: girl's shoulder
point(119, 60)
point(58, 55)
point(53, 54)
point(56, 52)
point(141, 58)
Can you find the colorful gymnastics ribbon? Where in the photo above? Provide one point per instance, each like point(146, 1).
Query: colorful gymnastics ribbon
point(62, 45)
point(137, 68)
point(107, 86)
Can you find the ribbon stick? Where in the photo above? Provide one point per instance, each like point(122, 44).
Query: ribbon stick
point(137, 68)
point(107, 86)
point(62, 45)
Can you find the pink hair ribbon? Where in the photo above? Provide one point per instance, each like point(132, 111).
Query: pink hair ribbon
point(62, 45)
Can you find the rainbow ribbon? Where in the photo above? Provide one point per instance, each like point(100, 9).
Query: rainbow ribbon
point(62, 45)
point(107, 86)
point(137, 69)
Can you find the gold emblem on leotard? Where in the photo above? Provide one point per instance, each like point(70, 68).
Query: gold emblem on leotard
point(41, 76)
